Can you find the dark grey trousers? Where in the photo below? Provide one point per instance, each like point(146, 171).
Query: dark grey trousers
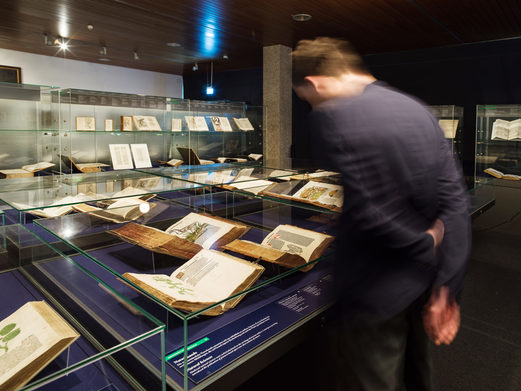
point(371, 355)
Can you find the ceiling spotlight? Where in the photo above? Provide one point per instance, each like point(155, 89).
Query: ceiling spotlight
point(136, 57)
point(301, 17)
point(195, 67)
point(61, 43)
point(47, 41)
point(225, 57)
point(90, 27)
point(103, 51)
point(173, 44)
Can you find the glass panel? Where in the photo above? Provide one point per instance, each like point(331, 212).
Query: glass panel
point(248, 326)
point(498, 144)
point(450, 119)
point(104, 338)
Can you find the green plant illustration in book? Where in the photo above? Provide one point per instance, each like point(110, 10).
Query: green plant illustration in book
point(7, 334)
point(182, 290)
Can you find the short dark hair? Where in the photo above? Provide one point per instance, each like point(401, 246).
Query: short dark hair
point(325, 56)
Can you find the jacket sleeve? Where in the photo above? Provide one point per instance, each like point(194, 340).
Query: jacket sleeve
point(453, 210)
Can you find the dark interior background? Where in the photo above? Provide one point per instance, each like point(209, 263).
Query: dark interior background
point(463, 75)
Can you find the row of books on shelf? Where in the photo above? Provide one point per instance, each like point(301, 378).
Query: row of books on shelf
point(150, 123)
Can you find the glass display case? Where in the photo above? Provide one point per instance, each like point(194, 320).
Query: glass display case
point(25, 120)
point(61, 194)
point(64, 329)
point(498, 144)
point(201, 349)
point(90, 121)
point(450, 119)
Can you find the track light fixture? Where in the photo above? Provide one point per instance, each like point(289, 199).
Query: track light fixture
point(136, 57)
point(195, 67)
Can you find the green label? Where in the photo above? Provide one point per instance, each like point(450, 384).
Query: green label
point(190, 347)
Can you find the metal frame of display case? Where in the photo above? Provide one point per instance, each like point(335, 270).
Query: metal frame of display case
point(185, 331)
point(451, 113)
point(115, 334)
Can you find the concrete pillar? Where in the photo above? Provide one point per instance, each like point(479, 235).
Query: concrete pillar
point(277, 102)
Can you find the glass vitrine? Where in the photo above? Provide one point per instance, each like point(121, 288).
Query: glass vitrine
point(25, 121)
point(63, 328)
point(201, 349)
point(56, 196)
point(498, 144)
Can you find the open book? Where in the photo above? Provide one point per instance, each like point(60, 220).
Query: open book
point(286, 245)
point(325, 195)
point(31, 338)
point(171, 162)
point(82, 167)
point(25, 171)
point(500, 175)
point(221, 124)
point(506, 130)
point(58, 208)
point(255, 156)
point(121, 211)
point(207, 278)
point(196, 123)
point(249, 184)
point(146, 123)
point(186, 237)
point(243, 123)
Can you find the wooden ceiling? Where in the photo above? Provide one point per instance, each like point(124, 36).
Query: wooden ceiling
point(208, 29)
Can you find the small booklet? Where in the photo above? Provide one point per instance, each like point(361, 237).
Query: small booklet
point(207, 278)
point(506, 130)
point(186, 237)
point(26, 171)
point(286, 245)
point(30, 339)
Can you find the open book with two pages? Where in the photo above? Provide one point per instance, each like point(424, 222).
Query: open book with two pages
point(286, 245)
point(186, 237)
point(30, 339)
point(322, 194)
point(506, 130)
point(26, 171)
point(208, 278)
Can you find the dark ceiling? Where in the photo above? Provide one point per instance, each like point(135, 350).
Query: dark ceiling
point(206, 30)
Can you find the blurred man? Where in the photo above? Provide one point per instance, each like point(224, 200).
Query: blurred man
point(404, 236)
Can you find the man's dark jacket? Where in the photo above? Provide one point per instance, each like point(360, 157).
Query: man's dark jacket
point(399, 175)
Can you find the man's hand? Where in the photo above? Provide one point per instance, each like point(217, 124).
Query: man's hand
point(437, 230)
point(441, 318)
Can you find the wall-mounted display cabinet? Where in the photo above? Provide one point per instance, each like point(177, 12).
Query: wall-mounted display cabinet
point(450, 119)
point(73, 128)
point(498, 143)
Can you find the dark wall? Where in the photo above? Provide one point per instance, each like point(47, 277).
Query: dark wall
point(463, 75)
point(242, 86)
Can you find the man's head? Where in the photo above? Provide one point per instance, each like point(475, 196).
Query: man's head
point(326, 68)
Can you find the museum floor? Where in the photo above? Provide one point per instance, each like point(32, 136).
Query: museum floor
point(486, 355)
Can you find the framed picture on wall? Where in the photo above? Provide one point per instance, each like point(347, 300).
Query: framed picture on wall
point(10, 74)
